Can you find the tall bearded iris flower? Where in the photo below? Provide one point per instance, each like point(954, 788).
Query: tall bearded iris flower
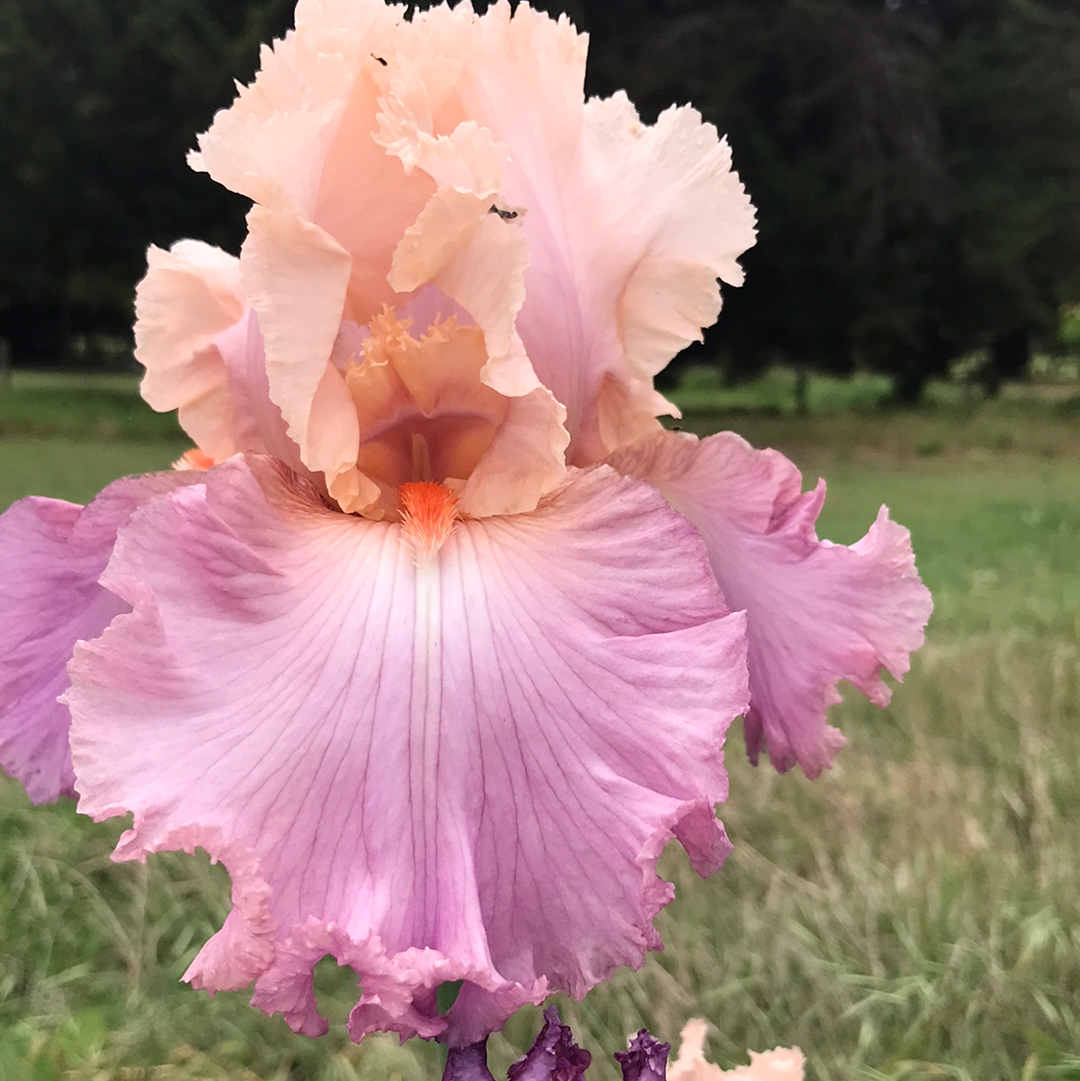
point(434, 639)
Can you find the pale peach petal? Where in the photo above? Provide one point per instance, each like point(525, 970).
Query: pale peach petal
point(409, 145)
point(463, 156)
point(485, 275)
point(690, 1064)
point(688, 211)
point(628, 226)
point(782, 1064)
point(476, 258)
point(296, 277)
point(299, 142)
point(626, 411)
point(367, 199)
point(189, 298)
point(525, 459)
point(202, 348)
point(675, 217)
point(386, 200)
point(521, 79)
point(272, 144)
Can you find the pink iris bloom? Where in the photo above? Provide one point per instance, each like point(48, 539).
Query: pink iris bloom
point(435, 639)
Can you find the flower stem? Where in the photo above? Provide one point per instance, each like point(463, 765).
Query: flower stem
point(468, 1063)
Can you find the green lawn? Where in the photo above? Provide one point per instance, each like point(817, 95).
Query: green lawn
point(911, 915)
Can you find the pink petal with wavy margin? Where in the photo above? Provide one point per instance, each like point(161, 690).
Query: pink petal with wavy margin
point(817, 612)
point(54, 553)
point(464, 768)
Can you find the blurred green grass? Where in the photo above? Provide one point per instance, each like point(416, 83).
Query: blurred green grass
point(99, 408)
point(910, 915)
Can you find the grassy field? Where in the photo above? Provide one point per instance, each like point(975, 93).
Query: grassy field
point(911, 915)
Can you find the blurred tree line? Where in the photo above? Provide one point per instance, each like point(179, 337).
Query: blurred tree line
point(99, 103)
point(915, 163)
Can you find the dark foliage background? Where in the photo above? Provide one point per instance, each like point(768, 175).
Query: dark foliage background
point(916, 164)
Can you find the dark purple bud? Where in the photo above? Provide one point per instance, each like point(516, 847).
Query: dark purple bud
point(554, 1056)
point(468, 1063)
point(646, 1060)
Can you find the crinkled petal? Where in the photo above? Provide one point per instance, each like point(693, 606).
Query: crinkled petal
point(189, 299)
point(519, 81)
point(645, 1060)
point(274, 143)
point(817, 612)
point(54, 553)
point(525, 460)
point(460, 766)
point(692, 216)
point(481, 268)
point(554, 1056)
point(458, 151)
point(358, 201)
point(202, 349)
point(296, 276)
point(628, 225)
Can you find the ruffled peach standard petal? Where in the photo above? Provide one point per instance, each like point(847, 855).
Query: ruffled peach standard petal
point(188, 301)
point(817, 612)
point(296, 277)
point(628, 226)
point(479, 263)
point(328, 232)
point(201, 346)
point(699, 221)
point(401, 149)
point(54, 553)
point(273, 143)
point(294, 142)
point(465, 241)
point(460, 766)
